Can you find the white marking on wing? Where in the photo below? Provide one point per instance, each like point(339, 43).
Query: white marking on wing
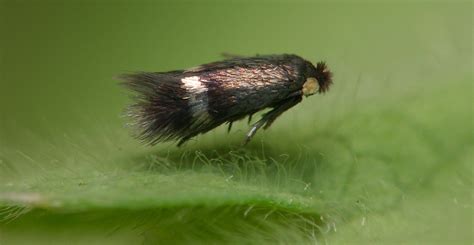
point(197, 98)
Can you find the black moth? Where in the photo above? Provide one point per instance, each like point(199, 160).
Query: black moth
point(178, 105)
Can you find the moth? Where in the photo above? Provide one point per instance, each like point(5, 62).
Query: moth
point(178, 105)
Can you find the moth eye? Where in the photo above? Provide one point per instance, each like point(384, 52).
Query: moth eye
point(310, 86)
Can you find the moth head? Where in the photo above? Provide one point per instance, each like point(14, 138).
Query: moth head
point(318, 79)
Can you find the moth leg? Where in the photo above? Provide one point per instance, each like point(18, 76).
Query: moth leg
point(250, 118)
point(230, 126)
point(253, 130)
point(183, 140)
point(270, 116)
point(275, 113)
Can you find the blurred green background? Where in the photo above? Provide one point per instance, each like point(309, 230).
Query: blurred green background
point(384, 157)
